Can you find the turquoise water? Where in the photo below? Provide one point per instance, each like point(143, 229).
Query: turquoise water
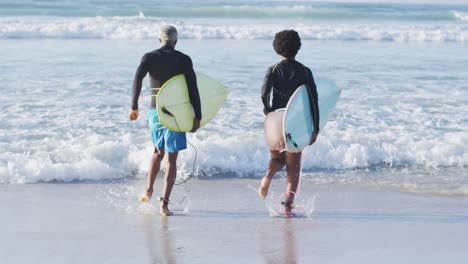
point(235, 9)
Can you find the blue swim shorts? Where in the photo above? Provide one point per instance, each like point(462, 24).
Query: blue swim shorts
point(164, 138)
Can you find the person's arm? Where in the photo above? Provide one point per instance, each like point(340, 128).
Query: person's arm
point(194, 94)
point(313, 96)
point(140, 74)
point(266, 90)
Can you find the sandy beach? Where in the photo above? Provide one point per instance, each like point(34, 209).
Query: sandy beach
point(225, 222)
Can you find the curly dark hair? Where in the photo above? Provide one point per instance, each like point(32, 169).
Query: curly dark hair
point(287, 43)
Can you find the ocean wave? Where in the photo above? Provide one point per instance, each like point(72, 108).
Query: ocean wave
point(141, 27)
point(460, 15)
point(237, 9)
point(95, 158)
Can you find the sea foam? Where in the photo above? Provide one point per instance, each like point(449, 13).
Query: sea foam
point(460, 15)
point(141, 27)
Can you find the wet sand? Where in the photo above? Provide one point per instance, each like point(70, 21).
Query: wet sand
point(224, 221)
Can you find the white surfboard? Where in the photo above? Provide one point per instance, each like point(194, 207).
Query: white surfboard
point(297, 121)
point(173, 104)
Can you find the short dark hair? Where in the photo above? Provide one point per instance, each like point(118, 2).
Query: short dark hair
point(287, 43)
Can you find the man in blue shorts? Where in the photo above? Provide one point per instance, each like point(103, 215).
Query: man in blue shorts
point(163, 64)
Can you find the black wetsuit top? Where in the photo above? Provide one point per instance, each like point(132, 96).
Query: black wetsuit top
point(284, 78)
point(163, 64)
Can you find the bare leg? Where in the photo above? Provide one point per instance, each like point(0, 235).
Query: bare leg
point(171, 174)
point(153, 171)
point(277, 162)
point(293, 167)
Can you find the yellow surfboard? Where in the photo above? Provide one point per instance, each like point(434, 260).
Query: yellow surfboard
point(173, 104)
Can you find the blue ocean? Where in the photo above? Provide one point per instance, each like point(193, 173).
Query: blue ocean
point(402, 120)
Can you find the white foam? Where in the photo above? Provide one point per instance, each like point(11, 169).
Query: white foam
point(141, 27)
point(460, 15)
point(91, 158)
point(96, 158)
point(103, 149)
point(63, 125)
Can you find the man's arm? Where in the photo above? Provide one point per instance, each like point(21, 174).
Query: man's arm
point(140, 74)
point(266, 90)
point(194, 95)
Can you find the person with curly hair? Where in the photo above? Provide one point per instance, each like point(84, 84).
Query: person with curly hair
point(281, 81)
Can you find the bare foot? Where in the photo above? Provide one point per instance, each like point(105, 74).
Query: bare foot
point(263, 189)
point(288, 211)
point(164, 211)
point(146, 197)
point(289, 214)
